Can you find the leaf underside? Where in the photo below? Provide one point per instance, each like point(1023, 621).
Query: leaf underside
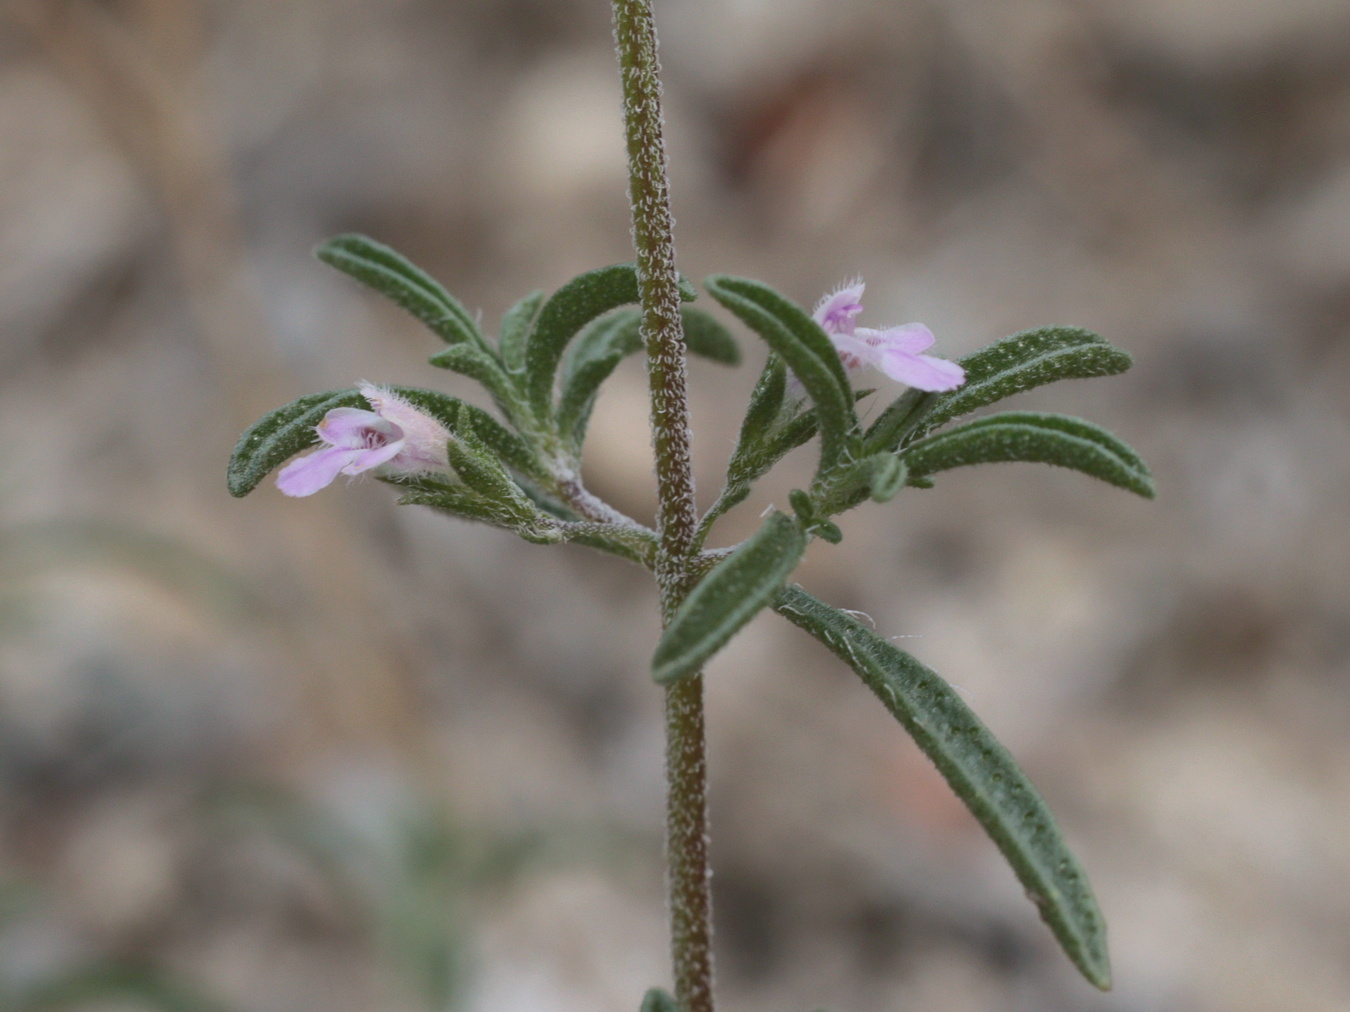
point(980, 771)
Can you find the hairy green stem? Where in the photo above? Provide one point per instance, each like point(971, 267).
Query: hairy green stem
point(688, 880)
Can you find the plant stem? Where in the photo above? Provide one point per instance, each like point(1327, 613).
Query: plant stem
point(688, 882)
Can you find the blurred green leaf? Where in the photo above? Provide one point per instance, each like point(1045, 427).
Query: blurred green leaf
point(393, 276)
point(805, 348)
point(280, 434)
point(657, 1000)
point(705, 337)
point(728, 597)
point(515, 330)
point(1028, 436)
point(81, 987)
point(979, 770)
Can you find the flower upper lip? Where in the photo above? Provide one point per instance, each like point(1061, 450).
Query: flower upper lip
point(396, 437)
point(894, 351)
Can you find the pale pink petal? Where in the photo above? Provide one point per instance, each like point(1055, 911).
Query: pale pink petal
point(835, 312)
point(911, 338)
point(364, 460)
point(923, 372)
point(308, 474)
point(854, 352)
point(425, 437)
point(354, 429)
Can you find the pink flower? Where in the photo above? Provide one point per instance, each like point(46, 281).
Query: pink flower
point(395, 436)
point(893, 351)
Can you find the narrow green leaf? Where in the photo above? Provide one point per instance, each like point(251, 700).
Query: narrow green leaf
point(393, 276)
point(1030, 436)
point(603, 343)
point(470, 361)
point(705, 337)
point(569, 309)
point(979, 770)
point(728, 597)
point(280, 434)
point(515, 330)
point(592, 357)
point(805, 348)
point(901, 417)
point(657, 1000)
point(1023, 361)
point(469, 504)
point(766, 401)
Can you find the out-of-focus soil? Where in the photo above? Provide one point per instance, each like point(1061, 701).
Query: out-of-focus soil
point(330, 754)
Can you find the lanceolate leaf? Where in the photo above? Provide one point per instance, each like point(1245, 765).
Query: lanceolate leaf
point(481, 366)
point(805, 348)
point(515, 330)
point(1029, 436)
point(1021, 362)
point(705, 337)
point(394, 277)
point(593, 356)
point(728, 597)
point(979, 770)
point(281, 434)
point(766, 400)
point(569, 309)
point(604, 343)
point(901, 417)
point(464, 502)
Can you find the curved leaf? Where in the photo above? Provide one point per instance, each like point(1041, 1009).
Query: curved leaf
point(569, 309)
point(604, 343)
point(979, 770)
point(280, 434)
point(728, 597)
point(395, 277)
point(477, 364)
point(1030, 436)
point(805, 348)
point(593, 356)
point(515, 330)
point(705, 337)
point(468, 504)
point(1025, 360)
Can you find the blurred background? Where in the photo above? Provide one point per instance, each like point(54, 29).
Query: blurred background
point(274, 755)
